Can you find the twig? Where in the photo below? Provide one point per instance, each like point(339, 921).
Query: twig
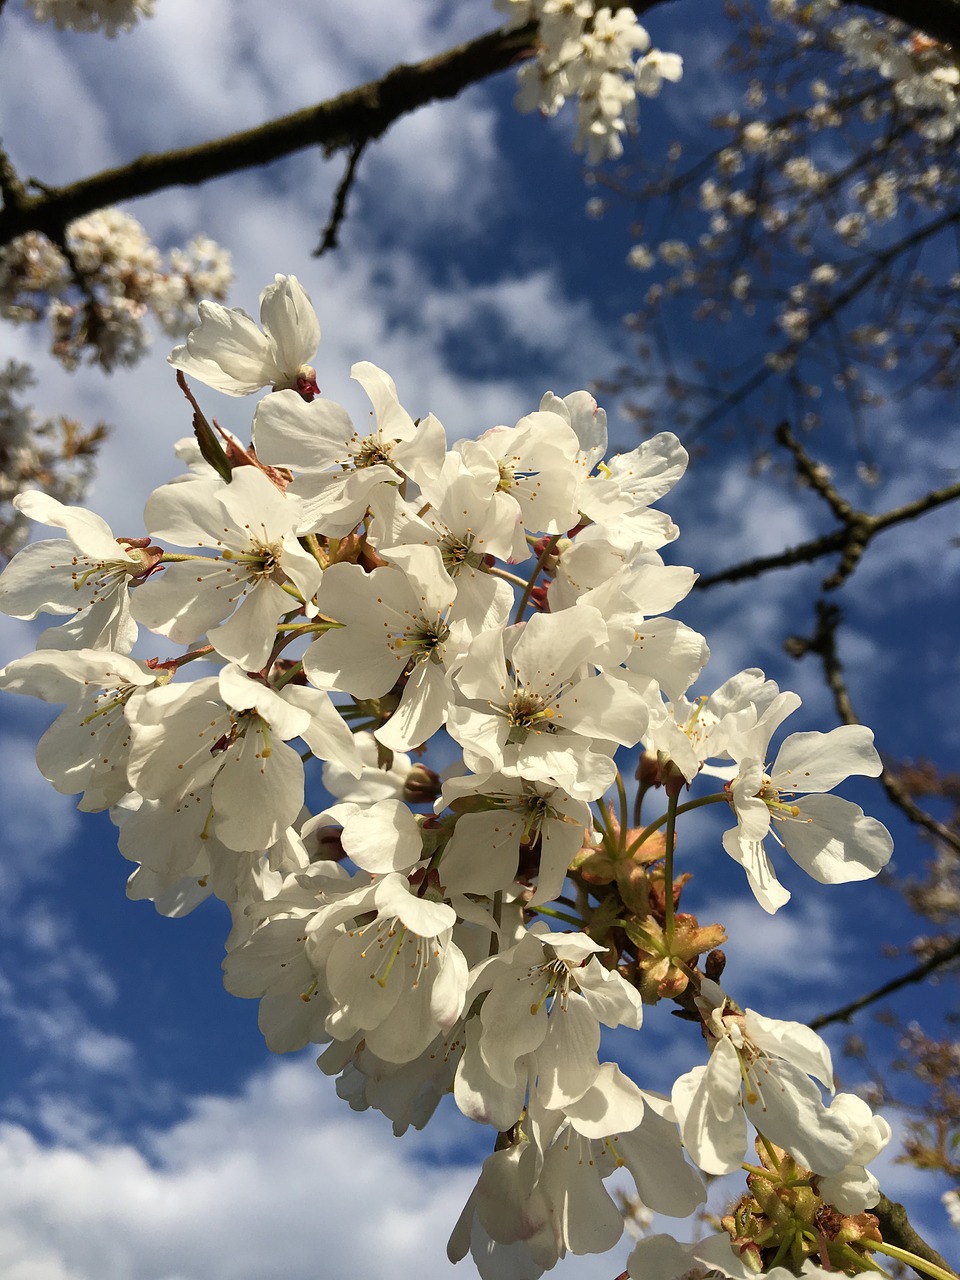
point(823, 642)
point(937, 960)
point(364, 113)
point(11, 188)
point(339, 209)
point(857, 528)
point(836, 304)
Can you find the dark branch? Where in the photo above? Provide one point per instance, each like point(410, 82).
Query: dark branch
point(896, 1229)
point(823, 642)
point(936, 960)
point(339, 210)
point(857, 529)
point(938, 18)
point(360, 115)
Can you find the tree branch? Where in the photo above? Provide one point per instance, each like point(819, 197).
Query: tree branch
point(329, 238)
point(361, 115)
point(823, 642)
point(896, 1229)
point(856, 531)
point(938, 18)
point(936, 960)
point(358, 116)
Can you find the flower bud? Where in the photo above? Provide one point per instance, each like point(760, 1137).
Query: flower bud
point(421, 785)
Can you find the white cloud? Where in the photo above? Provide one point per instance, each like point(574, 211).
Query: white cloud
point(279, 1181)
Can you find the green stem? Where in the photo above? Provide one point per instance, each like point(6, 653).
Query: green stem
point(624, 815)
point(668, 908)
point(287, 676)
point(606, 822)
point(911, 1259)
point(768, 1147)
point(544, 556)
point(508, 577)
point(559, 915)
point(682, 808)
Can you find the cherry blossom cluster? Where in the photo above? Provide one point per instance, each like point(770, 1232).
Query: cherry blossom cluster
point(98, 295)
point(108, 16)
point(597, 55)
point(354, 595)
point(825, 178)
point(53, 453)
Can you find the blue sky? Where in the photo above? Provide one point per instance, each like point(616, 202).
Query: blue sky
point(145, 1132)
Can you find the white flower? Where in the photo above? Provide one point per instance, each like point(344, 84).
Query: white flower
point(340, 469)
point(655, 67)
point(228, 352)
point(86, 747)
point(853, 1189)
point(547, 998)
point(483, 853)
point(233, 732)
point(87, 575)
point(760, 1070)
point(252, 527)
point(533, 711)
point(394, 622)
point(828, 837)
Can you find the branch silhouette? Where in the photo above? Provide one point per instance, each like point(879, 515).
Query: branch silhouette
point(343, 123)
point(857, 528)
point(938, 959)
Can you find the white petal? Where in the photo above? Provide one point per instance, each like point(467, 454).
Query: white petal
point(818, 761)
point(834, 841)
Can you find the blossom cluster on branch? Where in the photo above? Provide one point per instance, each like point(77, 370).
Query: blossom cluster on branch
point(97, 289)
point(825, 217)
point(108, 16)
point(355, 594)
point(599, 56)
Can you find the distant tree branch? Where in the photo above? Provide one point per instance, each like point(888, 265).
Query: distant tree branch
point(358, 116)
point(851, 539)
point(823, 642)
point(938, 18)
point(936, 960)
point(878, 265)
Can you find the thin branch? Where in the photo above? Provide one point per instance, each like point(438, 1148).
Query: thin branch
point(815, 475)
point(851, 538)
point(823, 642)
point(339, 209)
point(362, 114)
point(11, 188)
point(936, 960)
point(836, 304)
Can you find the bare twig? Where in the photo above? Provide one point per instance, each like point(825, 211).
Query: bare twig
point(851, 539)
point(339, 209)
point(936, 960)
point(11, 188)
point(823, 642)
point(836, 304)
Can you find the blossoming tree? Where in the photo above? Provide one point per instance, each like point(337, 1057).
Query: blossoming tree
point(338, 597)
